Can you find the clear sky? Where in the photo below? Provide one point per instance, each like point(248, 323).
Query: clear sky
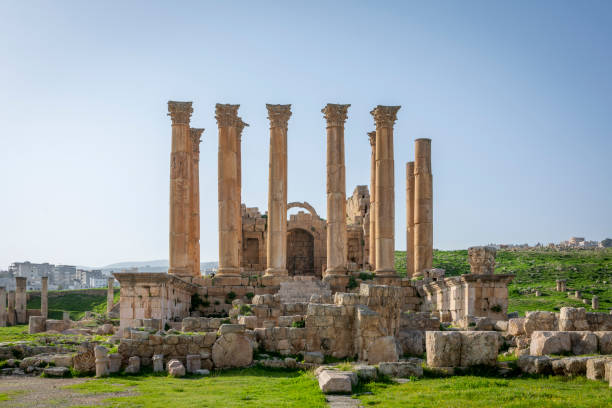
point(516, 97)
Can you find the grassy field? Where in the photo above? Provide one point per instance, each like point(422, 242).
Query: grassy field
point(250, 387)
point(585, 270)
point(75, 303)
point(477, 392)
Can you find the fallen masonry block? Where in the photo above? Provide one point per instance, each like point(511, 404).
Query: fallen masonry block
point(402, 369)
point(550, 342)
point(337, 382)
point(56, 371)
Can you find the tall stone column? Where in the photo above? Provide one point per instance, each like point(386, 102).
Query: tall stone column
point(385, 117)
point(44, 296)
point(336, 115)
point(409, 219)
point(423, 207)
point(194, 240)
point(10, 308)
point(277, 193)
point(110, 294)
point(372, 243)
point(230, 229)
point(240, 127)
point(20, 300)
point(2, 306)
point(180, 187)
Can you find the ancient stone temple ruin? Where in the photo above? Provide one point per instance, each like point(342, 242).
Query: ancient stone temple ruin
point(301, 285)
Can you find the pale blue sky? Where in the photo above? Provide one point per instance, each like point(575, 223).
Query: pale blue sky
point(516, 96)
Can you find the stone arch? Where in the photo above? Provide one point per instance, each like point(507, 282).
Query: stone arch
point(304, 205)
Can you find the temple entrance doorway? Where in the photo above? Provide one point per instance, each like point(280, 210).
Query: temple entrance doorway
point(300, 252)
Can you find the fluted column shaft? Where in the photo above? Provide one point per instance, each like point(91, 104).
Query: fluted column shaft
point(194, 239)
point(241, 126)
point(2, 306)
point(336, 115)
point(10, 309)
point(423, 207)
point(409, 219)
point(110, 295)
point(372, 242)
point(20, 300)
point(277, 191)
point(44, 296)
point(230, 228)
point(385, 117)
point(180, 189)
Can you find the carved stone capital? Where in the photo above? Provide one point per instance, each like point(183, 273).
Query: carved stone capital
point(372, 137)
point(385, 116)
point(240, 125)
point(227, 115)
point(196, 139)
point(335, 114)
point(180, 112)
point(278, 115)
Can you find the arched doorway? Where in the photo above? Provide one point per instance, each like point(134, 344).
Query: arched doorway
point(300, 252)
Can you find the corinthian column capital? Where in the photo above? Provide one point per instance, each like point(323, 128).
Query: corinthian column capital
point(227, 115)
point(240, 124)
point(278, 115)
point(372, 137)
point(180, 112)
point(335, 114)
point(196, 134)
point(385, 116)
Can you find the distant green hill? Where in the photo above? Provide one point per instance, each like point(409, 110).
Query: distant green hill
point(585, 270)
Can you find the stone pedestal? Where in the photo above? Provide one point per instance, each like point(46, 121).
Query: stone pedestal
point(385, 117)
point(336, 115)
point(277, 193)
point(110, 295)
point(180, 187)
point(11, 318)
point(230, 229)
point(20, 300)
point(44, 296)
point(194, 230)
point(372, 242)
point(561, 285)
point(2, 306)
point(595, 303)
point(409, 219)
point(423, 207)
point(37, 324)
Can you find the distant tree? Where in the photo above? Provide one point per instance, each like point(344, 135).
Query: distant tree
point(607, 243)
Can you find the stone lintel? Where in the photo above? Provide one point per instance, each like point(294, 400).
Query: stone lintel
point(335, 114)
point(153, 278)
point(385, 116)
point(180, 112)
point(227, 115)
point(278, 115)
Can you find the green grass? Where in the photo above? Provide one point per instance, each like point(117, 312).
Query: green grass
point(75, 303)
point(585, 270)
point(250, 387)
point(476, 392)
point(12, 334)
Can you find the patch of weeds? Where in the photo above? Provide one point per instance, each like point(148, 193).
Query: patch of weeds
point(352, 283)
point(250, 295)
point(299, 323)
point(245, 310)
point(366, 276)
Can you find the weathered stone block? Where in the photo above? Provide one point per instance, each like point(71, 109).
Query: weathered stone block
point(535, 364)
point(336, 382)
point(479, 348)
point(443, 348)
point(314, 357)
point(596, 368)
point(550, 342)
point(604, 342)
point(383, 349)
point(232, 350)
point(412, 367)
point(176, 368)
point(583, 342)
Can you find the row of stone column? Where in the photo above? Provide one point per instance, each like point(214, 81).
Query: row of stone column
point(184, 192)
point(419, 210)
point(13, 304)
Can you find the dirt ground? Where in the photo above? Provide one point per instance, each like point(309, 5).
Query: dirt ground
point(47, 392)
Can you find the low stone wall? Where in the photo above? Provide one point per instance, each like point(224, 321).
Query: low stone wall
point(574, 342)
